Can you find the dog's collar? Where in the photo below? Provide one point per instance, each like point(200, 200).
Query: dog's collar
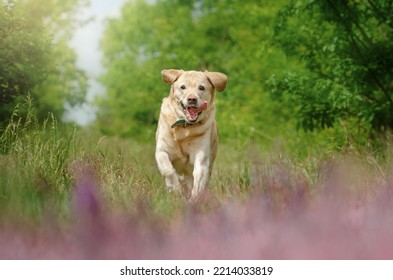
point(183, 123)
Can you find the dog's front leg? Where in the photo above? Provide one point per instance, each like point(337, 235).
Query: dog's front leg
point(200, 174)
point(167, 170)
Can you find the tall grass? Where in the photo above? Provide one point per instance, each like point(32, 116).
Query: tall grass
point(34, 176)
point(68, 193)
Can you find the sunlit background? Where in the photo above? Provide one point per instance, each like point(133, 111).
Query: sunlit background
point(86, 42)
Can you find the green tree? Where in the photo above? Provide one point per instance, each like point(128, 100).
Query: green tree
point(347, 49)
point(35, 58)
point(64, 81)
point(23, 55)
point(225, 35)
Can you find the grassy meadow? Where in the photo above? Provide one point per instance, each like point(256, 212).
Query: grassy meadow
point(305, 162)
point(68, 193)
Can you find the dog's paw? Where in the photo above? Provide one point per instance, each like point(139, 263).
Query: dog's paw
point(173, 189)
point(193, 200)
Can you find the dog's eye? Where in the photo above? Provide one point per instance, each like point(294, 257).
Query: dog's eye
point(201, 88)
point(183, 87)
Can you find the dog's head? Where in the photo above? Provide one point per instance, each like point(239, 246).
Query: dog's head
point(194, 90)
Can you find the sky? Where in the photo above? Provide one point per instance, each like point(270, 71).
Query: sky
point(86, 42)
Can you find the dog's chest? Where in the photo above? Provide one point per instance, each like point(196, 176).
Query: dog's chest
point(183, 135)
point(183, 157)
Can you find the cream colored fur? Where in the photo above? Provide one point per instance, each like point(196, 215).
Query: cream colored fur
point(185, 154)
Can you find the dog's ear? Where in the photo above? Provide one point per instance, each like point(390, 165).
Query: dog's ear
point(170, 75)
point(218, 80)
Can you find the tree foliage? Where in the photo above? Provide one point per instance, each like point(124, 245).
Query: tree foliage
point(24, 54)
point(35, 58)
point(347, 48)
point(227, 36)
point(327, 65)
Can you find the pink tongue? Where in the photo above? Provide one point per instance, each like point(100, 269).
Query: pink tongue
point(193, 112)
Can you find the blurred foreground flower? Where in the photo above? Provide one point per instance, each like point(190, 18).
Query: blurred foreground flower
point(282, 219)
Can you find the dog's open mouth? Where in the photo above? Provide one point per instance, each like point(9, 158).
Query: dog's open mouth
point(192, 113)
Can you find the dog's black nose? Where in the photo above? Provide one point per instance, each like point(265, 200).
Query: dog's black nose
point(192, 100)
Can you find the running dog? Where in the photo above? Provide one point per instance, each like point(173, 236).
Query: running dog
point(186, 137)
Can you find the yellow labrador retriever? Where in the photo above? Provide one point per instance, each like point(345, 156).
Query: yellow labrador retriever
point(186, 137)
